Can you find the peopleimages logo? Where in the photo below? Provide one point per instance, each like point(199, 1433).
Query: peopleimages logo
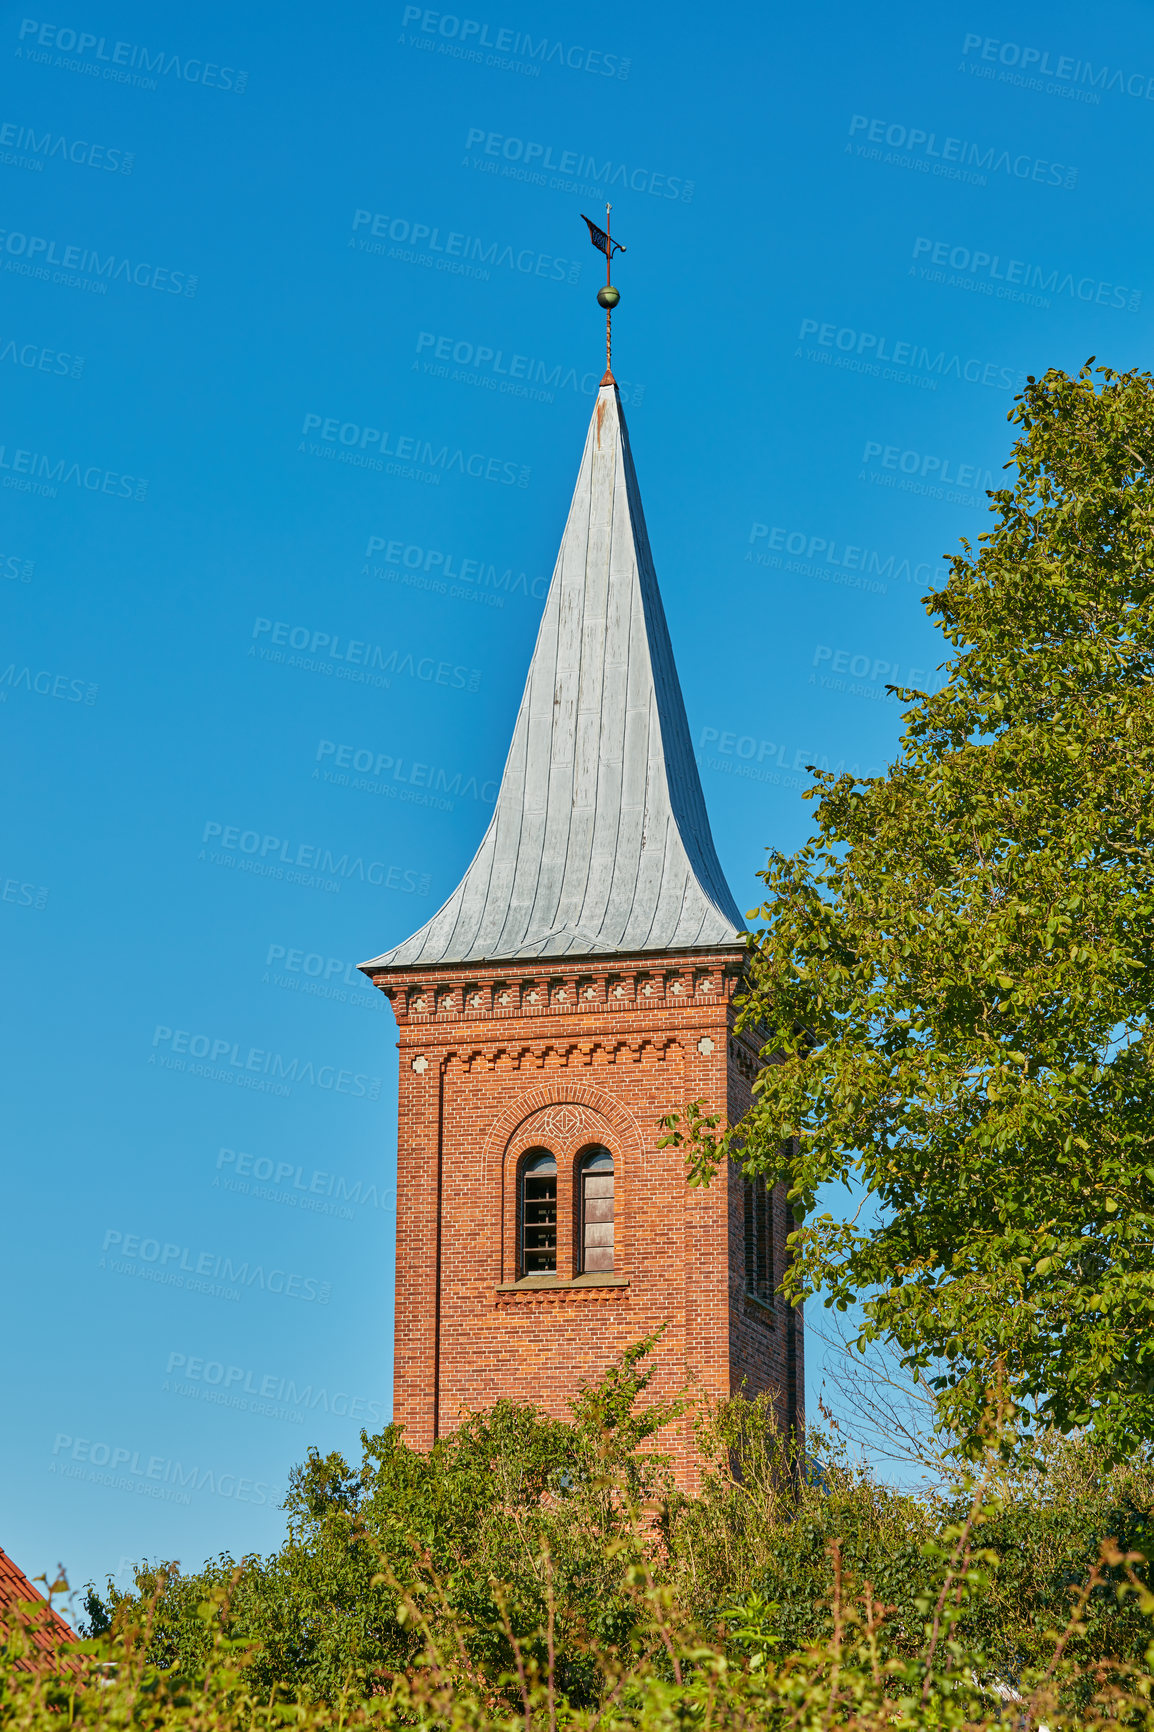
point(573, 164)
point(467, 36)
point(162, 1478)
point(277, 851)
point(366, 447)
point(928, 465)
point(754, 760)
point(461, 255)
point(512, 375)
point(867, 672)
point(16, 568)
point(315, 976)
point(168, 1262)
point(955, 158)
point(435, 569)
point(453, 784)
point(36, 358)
point(311, 963)
point(862, 666)
point(35, 472)
point(23, 895)
point(360, 661)
point(317, 1185)
point(121, 62)
point(864, 351)
point(814, 552)
point(928, 474)
point(46, 684)
point(1017, 279)
point(82, 266)
point(1067, 68)
point(230, 1385)
point(42, 147)
point(256, 1062)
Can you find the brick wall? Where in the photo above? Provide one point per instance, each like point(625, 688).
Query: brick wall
point(494, 1064)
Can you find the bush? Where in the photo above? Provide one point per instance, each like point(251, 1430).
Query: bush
point(535, 1573)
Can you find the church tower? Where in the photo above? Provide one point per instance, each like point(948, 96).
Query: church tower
point(577, 986)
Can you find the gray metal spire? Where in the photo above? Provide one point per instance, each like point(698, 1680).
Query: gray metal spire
point(599, 843)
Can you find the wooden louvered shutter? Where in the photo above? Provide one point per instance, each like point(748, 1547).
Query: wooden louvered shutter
point(596, 1177)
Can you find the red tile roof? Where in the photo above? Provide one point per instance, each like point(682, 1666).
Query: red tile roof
point(46, 1627)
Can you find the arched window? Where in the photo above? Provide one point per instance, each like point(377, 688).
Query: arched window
point(595, 1178)
point(759, 1272)
point(538, 1212)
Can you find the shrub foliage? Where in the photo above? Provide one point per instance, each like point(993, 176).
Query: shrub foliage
point(535, 1573)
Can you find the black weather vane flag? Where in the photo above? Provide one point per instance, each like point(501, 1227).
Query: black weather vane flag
point(607, 297)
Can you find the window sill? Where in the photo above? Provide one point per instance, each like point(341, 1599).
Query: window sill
point(760, 1308)
point(550, 1283)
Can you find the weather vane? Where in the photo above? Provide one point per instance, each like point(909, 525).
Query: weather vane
point(607, 297)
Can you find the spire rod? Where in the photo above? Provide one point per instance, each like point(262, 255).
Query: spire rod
point(607, 297)
point(608, 285)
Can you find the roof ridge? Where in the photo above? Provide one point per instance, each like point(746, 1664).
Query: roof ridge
point(47, 1630)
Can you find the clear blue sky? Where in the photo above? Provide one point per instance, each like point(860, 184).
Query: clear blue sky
point(298, 346)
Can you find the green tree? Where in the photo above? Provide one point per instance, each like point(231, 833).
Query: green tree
point(954, 977)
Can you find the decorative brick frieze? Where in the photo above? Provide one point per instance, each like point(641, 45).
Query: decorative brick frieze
point(427, 997)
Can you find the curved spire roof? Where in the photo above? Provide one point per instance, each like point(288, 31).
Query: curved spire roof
point(599, 843)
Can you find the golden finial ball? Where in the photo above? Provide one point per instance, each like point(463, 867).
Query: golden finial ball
point(608, 298)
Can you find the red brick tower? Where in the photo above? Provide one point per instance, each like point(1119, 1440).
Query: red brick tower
point(575, 987)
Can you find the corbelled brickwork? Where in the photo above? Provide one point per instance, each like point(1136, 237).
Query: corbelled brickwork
point(494, 1063)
